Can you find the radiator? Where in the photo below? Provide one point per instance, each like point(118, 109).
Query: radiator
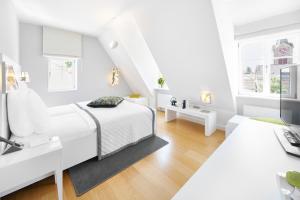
point(258, 111)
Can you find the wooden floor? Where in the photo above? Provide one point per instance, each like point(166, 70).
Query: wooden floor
point(158, 176)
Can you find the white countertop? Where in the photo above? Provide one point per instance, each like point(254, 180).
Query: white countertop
point(244, 167)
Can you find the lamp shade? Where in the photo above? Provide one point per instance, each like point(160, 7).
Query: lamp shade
point(206, 97)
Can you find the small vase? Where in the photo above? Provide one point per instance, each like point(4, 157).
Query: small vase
point(287, 191)
point(296, 194)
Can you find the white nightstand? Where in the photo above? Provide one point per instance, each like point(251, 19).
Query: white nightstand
point(22, 168)
point(209, 116)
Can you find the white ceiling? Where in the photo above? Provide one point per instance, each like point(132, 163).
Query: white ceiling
point(84, 16)
point(246, 11)
point(89, 16)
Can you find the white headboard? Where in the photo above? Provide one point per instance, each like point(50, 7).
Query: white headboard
point(4, 125)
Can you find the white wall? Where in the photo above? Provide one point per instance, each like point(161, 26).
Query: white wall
point(9, 45)
point(93, 72)
point(280, 23)
point(9, 30)
point(184, 40)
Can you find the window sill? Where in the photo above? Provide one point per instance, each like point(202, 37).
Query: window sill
point(243, 96)
point(63, 90)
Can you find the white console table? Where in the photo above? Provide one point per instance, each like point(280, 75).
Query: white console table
point(244, 167)
point(208, 116)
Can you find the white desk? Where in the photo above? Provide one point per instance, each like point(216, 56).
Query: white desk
point(29, 165)
point(243, 167)
point(208, 117)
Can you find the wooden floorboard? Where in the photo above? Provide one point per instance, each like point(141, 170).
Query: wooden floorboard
point(158, 176)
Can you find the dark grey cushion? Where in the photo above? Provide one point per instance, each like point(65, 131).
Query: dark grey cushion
point(106, 102)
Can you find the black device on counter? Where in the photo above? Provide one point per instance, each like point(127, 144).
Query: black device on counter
point(173, 101)
point(12, 146)
point(184, 104)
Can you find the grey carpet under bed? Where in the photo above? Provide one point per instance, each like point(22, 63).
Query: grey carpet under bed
point(91, 173)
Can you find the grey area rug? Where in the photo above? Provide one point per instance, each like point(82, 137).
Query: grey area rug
point(91, 173)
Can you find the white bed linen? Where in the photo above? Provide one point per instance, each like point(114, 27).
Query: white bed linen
point(69, 122)
point(122, 125)
point(125, 124)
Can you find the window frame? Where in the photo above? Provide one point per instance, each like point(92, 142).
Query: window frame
point(74, 59)
point(266, 66)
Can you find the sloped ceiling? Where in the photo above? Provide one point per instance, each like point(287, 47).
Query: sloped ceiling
point(132, 55)
point(83, 16)
point(184, 41)
point(90, 16)
point(247, 11)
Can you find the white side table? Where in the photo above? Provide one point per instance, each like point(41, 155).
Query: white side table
point(209, 117)
point(22, 168)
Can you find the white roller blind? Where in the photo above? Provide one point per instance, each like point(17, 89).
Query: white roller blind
point(57, 42)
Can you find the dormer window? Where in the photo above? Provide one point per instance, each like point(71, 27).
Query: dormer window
point(261, 59)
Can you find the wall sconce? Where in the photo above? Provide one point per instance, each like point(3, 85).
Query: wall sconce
point(115, 76)
point(2, 88)
point(25, 77)
point(11, 78)
point(206, 97)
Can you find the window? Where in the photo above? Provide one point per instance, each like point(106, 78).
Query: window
point(62, 74)
point(261, 60)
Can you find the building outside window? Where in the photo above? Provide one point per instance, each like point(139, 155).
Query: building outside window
point(62, 74)
point(261, 60)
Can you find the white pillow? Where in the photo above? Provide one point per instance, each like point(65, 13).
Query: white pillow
point(38, 113)
point(18, 118)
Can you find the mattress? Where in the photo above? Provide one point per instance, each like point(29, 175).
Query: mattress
point(68, 122)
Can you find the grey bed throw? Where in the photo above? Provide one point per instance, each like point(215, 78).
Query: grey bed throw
point(99, 137)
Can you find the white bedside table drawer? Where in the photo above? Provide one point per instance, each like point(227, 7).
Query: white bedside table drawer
point(22, 168)
point(27, 171)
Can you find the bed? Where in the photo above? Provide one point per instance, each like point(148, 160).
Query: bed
point(121, 126)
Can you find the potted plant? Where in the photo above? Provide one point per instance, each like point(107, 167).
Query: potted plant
point(161, 82)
